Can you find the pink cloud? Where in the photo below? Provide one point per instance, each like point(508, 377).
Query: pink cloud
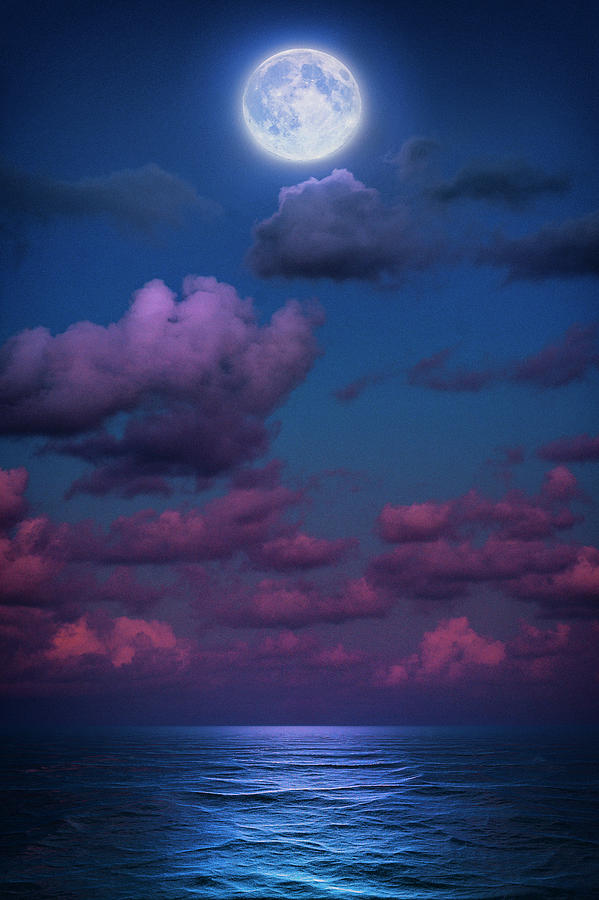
point(574, 590)
point(13, 483)
point(417, 522)
point(453, 652)
point(29, 560)
point(301, 551)
point(297, 604)
point(120, 644)
point(447, 653)
point(516, 516)
point(443, 549)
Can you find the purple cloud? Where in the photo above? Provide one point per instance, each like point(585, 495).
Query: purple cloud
point(567, 360)
point(197, 379)
point(580, 448)
point(564, 361)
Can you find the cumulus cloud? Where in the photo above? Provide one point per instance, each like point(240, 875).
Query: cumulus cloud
point(453, 652)
point(197, 379)
point(511, 182)
point(565, 250)
point(337, 228)
point(448, 652)
point(579, 448)
point(140, 198)
point(120, 643)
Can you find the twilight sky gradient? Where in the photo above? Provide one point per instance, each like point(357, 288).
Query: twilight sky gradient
point(299, 442)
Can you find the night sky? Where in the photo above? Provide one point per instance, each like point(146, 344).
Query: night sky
point(319, 455)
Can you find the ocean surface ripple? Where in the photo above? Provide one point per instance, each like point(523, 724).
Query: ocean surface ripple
point(311, 812)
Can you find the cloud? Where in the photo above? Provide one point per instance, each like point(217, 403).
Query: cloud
point(453, 653)
point(120, 643)
point(564, 361)
point(236, 521)
point(443, 550)
point(140, 198)
point(580, 448)
point(30, 559)
point(512, 183)
point(571, 591)
point(414, 156)
point(197, 380)
point(566, 250)
point(276, 603)
point(337, 228)
point(301, 551)
point(514, 516)
point(558, 364)
point(353, 390)
point(431, 373)
point(447, 653)
point(13, 483)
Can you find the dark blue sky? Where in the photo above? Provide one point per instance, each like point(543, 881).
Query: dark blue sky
point(458, 344)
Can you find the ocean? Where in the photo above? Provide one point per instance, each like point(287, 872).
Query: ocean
point(310, 812)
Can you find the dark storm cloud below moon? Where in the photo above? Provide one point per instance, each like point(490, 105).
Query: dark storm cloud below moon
point(338, 228)
point(141, 198)
point(197, 377)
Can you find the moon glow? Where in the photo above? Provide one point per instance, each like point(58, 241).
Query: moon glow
point(302, 104)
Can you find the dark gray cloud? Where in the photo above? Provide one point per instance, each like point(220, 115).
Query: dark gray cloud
point(337, 228)
point(139, 198)
point(512, 183)
point(555, 251)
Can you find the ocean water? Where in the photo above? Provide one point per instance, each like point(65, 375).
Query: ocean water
point(177, 813)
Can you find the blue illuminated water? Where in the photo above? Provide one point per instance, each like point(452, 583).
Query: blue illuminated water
point(173, 813)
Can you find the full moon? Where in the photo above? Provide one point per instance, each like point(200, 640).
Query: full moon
point(302, 104)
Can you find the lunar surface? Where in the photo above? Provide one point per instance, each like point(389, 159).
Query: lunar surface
point(302, 104)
